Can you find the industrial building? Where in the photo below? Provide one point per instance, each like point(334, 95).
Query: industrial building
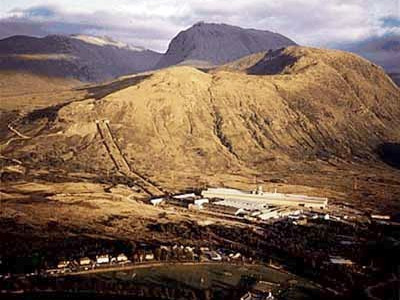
point(259, 199)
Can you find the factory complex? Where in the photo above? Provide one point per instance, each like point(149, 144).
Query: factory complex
point(259, 199)
point(254, 206)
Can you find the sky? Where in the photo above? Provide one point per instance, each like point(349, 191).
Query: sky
point(153, 23)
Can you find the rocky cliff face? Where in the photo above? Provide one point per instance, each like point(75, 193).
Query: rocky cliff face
point(267, 111)
point(72, 57)
point(219, 43)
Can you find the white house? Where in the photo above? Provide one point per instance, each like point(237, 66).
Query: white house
point(149, 256)
point(200, 202)
point(84, 261)
point(103, 259)
point(157, 201)
point(63, 264)
point(122, 258)
point(184, 196)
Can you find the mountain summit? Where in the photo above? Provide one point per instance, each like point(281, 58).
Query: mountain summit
point(211, 43)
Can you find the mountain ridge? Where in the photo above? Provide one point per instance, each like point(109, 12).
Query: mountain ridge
point(69, 57)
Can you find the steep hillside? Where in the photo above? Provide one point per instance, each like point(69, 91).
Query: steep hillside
point(80, 57)
point(293, 109)
point(219, 43)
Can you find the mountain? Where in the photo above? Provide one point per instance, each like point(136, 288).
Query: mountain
point(106, 41)
point(85, 58)
point(214, 44)
point(384, 51)
point(291, 111)
point(10, 28)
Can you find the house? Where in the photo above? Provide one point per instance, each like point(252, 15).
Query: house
point(340, 261)
point(149, 256)
point(165, 248)
point(235, 256)
point(103, 259)
point(85, 261)
point(157, 201)
point(302, 222)
point(63, 264)
point(257, 296)
point(185, 196)
point(122, 258)
point(201, 201)
point(204, 249)
point(213, 255)
point(189, 249)
point(380, 217)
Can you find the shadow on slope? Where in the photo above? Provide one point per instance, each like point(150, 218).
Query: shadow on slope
point(101, 91)
point(273, 62)
point(390, 154)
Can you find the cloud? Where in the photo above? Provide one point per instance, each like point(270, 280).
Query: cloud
point(38, 12)
point(152, 23)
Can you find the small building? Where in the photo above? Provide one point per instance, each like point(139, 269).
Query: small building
point(302, 222)
point(380, 217)
point(165, 248)
point(185, 196)
point(157, 201)
point(149, 256)
point(235, 256)
point(340, 261)
point(63, 264)
point(204, 249)
point(213, 255)
point(103, 259)
point(189, 249)
point(201, 201)
point(122, 258)
point(85, 261)
point(257, 296)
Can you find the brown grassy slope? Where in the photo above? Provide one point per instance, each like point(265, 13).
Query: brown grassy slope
point(20, 90)
point(182, 127)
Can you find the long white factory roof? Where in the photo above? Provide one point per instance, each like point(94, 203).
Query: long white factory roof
point(225, 194)
point(266, 194)
point(244, 204)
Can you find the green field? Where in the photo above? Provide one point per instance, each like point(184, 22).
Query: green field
point(210, 281)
